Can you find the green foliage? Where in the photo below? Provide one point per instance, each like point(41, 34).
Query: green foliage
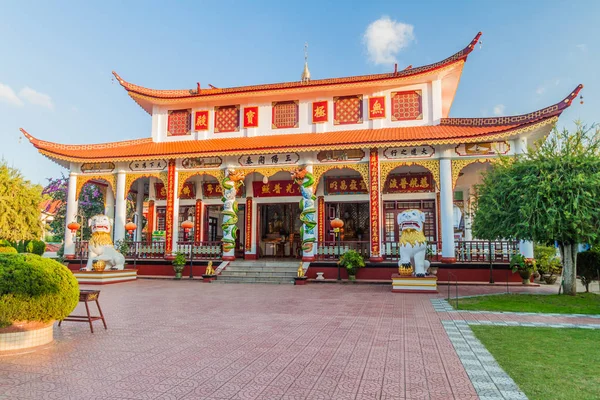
point(583, 303)
point(19, 205)
point(36, 247)
point(33, 288)
point(179, 261)
point(588, 266)
point(5, 243)
point(547, 262)
point(122, 246)
point(518, 263)
point(351, 260)
point(8, 250)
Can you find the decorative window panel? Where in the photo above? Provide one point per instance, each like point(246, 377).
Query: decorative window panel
point(180, 122)
point(285, 114)
point(347, 110)
point(227, 119)
point(407, 105)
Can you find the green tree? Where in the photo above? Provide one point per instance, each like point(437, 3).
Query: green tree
point(549, 194)
point(19, 206)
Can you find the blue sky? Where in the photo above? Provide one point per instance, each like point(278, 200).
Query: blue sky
point(56, 59)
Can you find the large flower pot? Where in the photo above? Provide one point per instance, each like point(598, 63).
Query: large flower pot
point(25, 334)
point(525, 275)
point(351, 277)
point(550, 279)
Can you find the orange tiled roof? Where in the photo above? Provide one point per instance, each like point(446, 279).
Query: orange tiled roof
point(450, 130)
point(136, 91)
point(50, 206)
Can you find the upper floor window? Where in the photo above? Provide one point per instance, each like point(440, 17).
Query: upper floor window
point(179, 123)
point(348, 110)
point(407, 105)
point(227, 118)
point(285, 114)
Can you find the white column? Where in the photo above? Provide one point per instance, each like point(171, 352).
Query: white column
point(72, 207)
point(109, 203)
point(525, 247)
point(446, 208)
point(139, 209)
point(120, 207)
point(467, 213)
point(176, 212)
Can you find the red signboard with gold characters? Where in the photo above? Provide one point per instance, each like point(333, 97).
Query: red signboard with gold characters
point(201, 120)
point(409, 183)
point(374, 203)
point(250, 117)
point(275, 189)
point(187, 191)
point(377, 107)
point(345, 186)
point(319, 112)
point(160, 191)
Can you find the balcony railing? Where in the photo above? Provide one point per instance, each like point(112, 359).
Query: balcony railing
point(391, 251)
point(201, 250)
point(146, 250)
point(480, 251)
point(330, 251)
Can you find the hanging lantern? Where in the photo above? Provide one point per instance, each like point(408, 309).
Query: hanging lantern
point(130, 227)
point(74, 227)
point(187, 225)
point(336, 224)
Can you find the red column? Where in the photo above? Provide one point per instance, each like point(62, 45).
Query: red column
point(249, 228)
point(170, 205)
point(198, 221)
point(150, 223)
point(375, 197)
point(321, 219)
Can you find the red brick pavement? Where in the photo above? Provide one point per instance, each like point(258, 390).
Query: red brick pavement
point(188, 340)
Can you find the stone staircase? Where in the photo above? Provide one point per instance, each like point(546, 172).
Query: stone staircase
point(259, 271)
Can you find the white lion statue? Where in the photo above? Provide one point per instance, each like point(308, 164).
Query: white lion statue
point(100, 246)
point(413, 245)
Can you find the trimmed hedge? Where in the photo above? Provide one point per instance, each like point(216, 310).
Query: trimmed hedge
point(33, 288)
point(8, 250)
point(36, 247)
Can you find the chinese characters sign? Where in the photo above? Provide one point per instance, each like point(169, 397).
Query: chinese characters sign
point(250, 117)
point(319, 112)
point(408, 152)
point(377, 107)
point(345, 186)
point(409, 183)
point(160, 191)
point(374, 201)
point(97, 167)
point(275, 189)
point(187, 191)
point(480, 149)
point(269, 159)
point(201, 120)
point(212, 190)
point(156, 165)
point(201, 162)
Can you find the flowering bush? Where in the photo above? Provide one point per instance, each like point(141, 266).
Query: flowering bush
point(519, 263)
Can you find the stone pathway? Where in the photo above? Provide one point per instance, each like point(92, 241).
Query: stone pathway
point(191, 340)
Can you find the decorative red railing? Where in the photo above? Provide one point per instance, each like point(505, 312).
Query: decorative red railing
point(201, 250)
point(146, 250)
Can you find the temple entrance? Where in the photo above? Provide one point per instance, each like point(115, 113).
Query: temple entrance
point(279, 230)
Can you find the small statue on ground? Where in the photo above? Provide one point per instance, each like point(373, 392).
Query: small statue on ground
point(413, 245)
point(209, 269)
point(100, 246)
point(300, 271)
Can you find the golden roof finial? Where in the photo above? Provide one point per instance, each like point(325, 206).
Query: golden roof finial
point(306, 73)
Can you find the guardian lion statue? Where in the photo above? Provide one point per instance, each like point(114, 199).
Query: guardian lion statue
point(100, 246)
point(413, 245)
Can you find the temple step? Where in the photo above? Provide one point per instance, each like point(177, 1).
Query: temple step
point(259, 271)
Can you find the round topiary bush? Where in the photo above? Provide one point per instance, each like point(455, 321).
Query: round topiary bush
point(36, 247)
point(33, 288)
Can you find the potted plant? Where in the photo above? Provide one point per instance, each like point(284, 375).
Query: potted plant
point(352, 261)
point(524, 266)
point(178, 264)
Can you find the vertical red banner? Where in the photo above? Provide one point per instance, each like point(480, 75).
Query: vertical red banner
point(150, 223)
point(170, 208)
point(249, 224)
point(198, 221)
point(321, 218)
point(374, 204)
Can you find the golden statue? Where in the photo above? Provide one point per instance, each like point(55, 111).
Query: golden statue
point(300, 271)
point(209, 269)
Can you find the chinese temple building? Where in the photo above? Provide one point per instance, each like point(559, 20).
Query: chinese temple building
point(375, 145)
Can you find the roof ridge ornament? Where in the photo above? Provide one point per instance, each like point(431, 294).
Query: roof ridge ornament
point(305, 73)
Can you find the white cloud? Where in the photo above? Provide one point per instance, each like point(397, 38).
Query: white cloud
point(499, 109)
point(9, 96)
point(37, 98)
point(582, 47)
point(385, 38)
point(540, 90)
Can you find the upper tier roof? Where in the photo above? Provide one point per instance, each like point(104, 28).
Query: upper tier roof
point(450, 130)
point(146, 97)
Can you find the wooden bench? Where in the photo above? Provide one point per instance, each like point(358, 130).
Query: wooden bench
point(84, 297)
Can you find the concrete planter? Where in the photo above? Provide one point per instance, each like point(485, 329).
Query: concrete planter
point(25, 334)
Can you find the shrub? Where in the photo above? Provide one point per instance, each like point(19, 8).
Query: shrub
point(33, 288)
point(5, 243)
point(36, 247)
point(547, 261)
point(8, 250)
point(588, 264)
point(352, 260)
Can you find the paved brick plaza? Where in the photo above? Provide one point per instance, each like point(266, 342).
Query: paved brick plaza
point(189, 340)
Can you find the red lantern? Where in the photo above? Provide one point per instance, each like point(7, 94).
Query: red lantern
point(337, 223)
point(187, 225)
point(130, 227)
point(74, 227)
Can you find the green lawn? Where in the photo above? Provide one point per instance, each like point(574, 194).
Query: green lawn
point(547, 363)
point(583, 303)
